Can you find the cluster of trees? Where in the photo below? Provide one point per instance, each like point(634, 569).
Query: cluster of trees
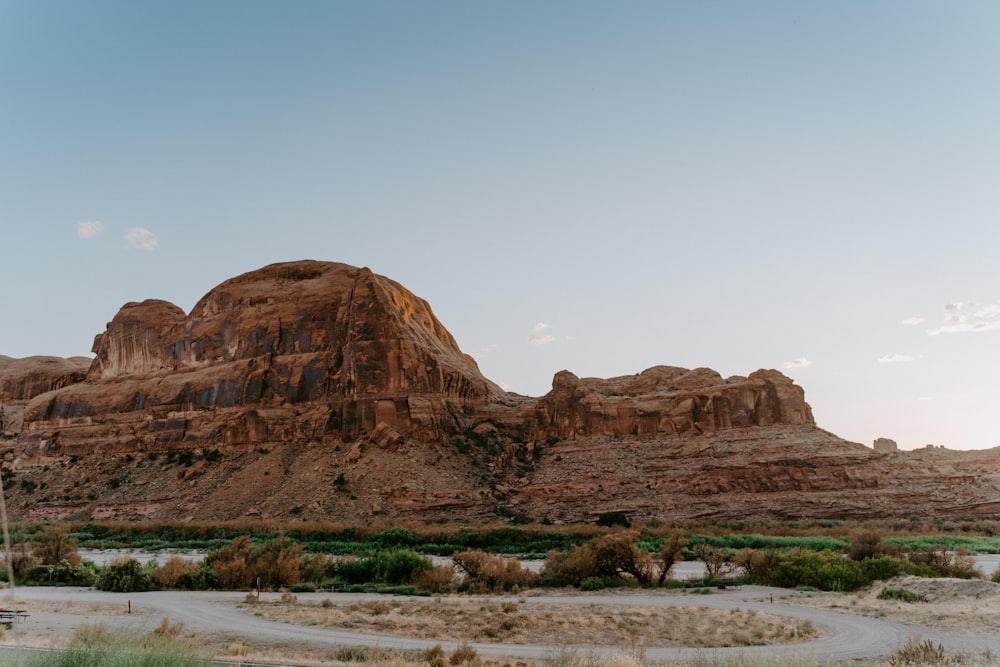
point(612, 559)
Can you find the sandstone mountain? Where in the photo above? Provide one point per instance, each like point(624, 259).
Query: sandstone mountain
point(326, 391)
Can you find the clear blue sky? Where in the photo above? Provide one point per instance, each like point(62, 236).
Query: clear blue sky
point(595, 186)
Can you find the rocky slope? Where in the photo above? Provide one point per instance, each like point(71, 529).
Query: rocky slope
point(322, 390)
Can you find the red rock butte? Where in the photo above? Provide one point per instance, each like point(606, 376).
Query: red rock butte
point(348, 372)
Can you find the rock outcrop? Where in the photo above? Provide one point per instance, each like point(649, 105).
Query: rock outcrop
point(293, 352)
point(334, 392)
point(668, 400)
point(23, 379)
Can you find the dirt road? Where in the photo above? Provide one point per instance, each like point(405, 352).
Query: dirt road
point(845, 636)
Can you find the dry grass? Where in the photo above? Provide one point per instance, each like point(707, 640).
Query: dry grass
point(81, 608)
point(465, 620)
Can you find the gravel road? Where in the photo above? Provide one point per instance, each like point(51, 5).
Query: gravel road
point(845, 636)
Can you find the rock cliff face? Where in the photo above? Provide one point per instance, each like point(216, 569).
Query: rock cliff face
point(332, 391)
point(299, 352)
point(23, 379)
point(668, 400)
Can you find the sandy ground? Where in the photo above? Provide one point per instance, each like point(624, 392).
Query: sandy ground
point(967, 605)
point(225, 624)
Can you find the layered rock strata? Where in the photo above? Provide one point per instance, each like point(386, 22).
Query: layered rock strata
point(327, 391)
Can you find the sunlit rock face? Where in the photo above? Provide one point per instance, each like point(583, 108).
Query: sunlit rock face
point(299, 350)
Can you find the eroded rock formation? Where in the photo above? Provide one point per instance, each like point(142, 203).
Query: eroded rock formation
point(336, 392)
point(23, 379)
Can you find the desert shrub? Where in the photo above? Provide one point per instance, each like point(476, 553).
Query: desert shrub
point(494, 573)
point(231, 564)
point(54, 545)
point(351, 654)
point(241, 564)
point(60, 574)
point(717, 561)
point(884, 567)
point(434, 656)
point(398, 567)
point(865, 544)
point(276, 562)
point(613, 555)
point(395, 567)
point(126, 576)
point(943, 562)
point(900, 594)
point(353, 570)
point(313, 567)
point(568, 569)
point(174, 570)
point(916, 652)
point(463, 655)
point(751, 562)
point(303, 587)
point(440, 579)
point(201, 579)
point(996, 576)
point(824, 570)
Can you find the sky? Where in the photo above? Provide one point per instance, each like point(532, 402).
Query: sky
point(572, 184)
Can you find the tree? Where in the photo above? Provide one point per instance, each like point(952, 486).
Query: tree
point(55, 545)
point(717, 561)
point(865, 544)
point(671, 551)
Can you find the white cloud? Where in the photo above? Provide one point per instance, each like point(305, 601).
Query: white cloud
point(965, 317)
point(913, 321)
point(965, 327)
point(543, 339)
point(894, 357)
point(988, 311)
point(88, 230)
point(541, 326)
point(141, 238)
point(486, 349)
point(799, 362)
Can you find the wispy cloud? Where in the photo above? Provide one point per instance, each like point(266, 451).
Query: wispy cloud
point(141, 238)
point(541, 339)
point(798, 362)
point(965, 317)
point(486, 349)
point(540, 326)
point(894, 357)
point(913, 321)
point(88, 230)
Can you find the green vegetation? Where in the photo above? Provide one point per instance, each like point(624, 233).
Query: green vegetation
point(900, 594)
point(309, 556)
point(96, 646)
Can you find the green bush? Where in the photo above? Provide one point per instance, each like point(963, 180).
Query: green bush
point(825, 570)
point(387, 567)
point(900, 594)
point(885, 567)
point(60, 574)
point(126, 577)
